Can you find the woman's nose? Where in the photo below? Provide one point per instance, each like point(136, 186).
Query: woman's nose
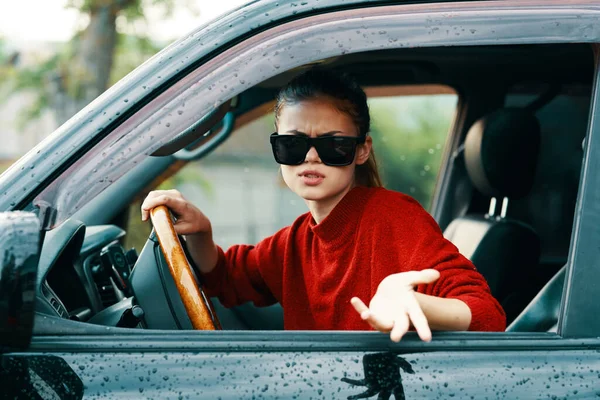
point(312, 155)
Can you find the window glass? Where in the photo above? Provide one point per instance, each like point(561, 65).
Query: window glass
point(238, 186)
point(409, 129)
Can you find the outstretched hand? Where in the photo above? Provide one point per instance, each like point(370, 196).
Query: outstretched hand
point(395, 306)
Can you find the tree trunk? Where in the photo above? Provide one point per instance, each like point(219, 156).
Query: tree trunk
point(87, 76)
point(96, 50)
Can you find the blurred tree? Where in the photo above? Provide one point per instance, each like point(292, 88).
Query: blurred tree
point(409, 134)
point(97, 56)
point(7, 62)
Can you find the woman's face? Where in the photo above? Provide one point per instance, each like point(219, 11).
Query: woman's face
point(313, 180)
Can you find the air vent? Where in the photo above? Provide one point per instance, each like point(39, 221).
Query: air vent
point(106, 291)
point(60, 310)
point(50, 296)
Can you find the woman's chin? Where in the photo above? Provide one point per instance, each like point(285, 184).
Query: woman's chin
point(313, 193)
point(317, 193)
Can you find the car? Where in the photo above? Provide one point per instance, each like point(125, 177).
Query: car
point(513, 184)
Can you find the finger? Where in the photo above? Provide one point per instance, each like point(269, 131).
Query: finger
point(174, 193)
point(143, 208)
point(419, 321)
point(183, 227)
point(177, 205)
point(400, 328)
point(360, 307)
point(380, 323)
point(144, 214)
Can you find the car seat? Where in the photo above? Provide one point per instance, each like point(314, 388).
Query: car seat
point(500, 155)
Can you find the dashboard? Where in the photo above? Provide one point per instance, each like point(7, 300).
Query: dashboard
point(85, 275)
point(82, 271)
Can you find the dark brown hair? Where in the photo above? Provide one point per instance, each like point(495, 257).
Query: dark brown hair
point(348, 97)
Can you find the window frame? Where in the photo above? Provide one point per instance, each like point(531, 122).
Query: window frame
point(576, 318)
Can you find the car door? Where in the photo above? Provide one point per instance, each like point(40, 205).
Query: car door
point(67, 359)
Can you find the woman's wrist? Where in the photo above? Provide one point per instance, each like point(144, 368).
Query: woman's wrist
point(445, 314)
point(203, 250)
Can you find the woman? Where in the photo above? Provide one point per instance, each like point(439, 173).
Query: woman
point(359, 242)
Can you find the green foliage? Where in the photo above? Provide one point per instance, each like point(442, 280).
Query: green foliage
point(64, 77)
point(190, 174)
point(409, 133)
point(130, 52)
point(132, 10)
point(137, 230)
point(6, 69)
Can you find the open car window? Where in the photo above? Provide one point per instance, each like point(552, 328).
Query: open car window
point(239, 185)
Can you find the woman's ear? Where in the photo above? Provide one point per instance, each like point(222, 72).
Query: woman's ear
point(363, 151)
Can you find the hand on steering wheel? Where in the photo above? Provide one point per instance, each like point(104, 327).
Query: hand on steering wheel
point(199, 307)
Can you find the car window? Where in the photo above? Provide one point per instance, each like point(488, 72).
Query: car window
point(239, 186)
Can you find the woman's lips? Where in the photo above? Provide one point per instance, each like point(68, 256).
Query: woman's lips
point(311, 178)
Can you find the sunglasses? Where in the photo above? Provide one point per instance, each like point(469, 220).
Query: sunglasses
point(335, 151)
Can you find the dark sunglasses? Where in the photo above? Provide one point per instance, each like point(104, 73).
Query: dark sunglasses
point(336, 151)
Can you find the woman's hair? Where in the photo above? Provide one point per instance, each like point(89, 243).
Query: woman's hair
point(348, 97)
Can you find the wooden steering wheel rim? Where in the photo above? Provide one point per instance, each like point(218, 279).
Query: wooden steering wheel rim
point(198, 307)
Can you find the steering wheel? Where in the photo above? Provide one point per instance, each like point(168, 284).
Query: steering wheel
point(198, 306)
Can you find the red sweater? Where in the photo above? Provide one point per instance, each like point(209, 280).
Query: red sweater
point(314, 270)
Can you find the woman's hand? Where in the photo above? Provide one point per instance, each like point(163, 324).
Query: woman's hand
point(190, 220)
point(395, 305)
point(191, 223)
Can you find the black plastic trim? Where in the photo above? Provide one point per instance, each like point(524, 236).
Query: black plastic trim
point(266, 341)
point(158, 256)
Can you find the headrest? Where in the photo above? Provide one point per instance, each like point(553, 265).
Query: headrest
point(501, 152)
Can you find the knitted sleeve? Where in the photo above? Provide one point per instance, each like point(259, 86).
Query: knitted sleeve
point(420, 244)
point(248, 273)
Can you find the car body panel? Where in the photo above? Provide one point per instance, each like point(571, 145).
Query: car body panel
point(582, 284)
point(308, 365)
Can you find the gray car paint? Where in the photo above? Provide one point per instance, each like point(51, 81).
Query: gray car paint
point(204, 364)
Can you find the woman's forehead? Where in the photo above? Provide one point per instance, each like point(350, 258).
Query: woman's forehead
point(315, 116)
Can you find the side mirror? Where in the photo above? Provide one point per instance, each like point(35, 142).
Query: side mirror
point(19, 256)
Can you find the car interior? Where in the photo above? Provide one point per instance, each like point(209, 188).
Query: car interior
point(505, 195)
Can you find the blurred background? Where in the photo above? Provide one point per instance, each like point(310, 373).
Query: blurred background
point(57, 56)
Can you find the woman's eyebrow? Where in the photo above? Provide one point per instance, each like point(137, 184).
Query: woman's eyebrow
point(297, 132)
